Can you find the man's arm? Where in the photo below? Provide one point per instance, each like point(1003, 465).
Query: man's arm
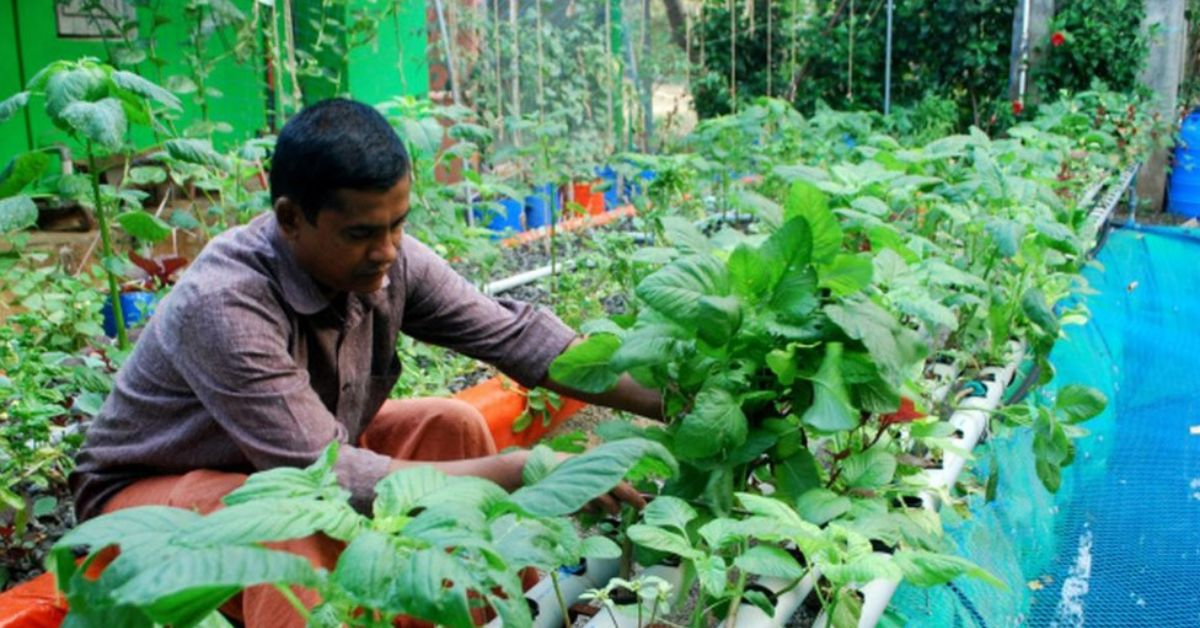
point(627, 395)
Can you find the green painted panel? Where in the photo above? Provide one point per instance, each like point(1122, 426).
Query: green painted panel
point(395, 62)
point(241, 103)
point(13, 136)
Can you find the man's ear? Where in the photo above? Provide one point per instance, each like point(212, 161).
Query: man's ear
point(288, 214)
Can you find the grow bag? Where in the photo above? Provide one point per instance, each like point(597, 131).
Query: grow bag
point(502, 402)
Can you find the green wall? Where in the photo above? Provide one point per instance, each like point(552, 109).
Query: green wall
point(393, 63)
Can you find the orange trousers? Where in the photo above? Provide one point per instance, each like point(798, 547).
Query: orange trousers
point(418, 429)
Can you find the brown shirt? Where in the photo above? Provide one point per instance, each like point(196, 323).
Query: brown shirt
point(246, 366)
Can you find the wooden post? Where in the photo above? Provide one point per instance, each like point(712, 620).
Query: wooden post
point(1028, 48)
point(1162, 74)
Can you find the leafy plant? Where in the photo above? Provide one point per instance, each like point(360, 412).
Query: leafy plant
point(459, 534)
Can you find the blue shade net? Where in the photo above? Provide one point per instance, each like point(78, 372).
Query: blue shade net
point(1119, 544)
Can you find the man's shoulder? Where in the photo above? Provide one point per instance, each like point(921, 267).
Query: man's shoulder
point(238, 265)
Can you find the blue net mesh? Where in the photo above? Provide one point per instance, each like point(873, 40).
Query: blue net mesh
point(1119, 544)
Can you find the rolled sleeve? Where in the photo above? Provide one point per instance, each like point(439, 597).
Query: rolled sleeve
point(444, 309)
point(259, 396)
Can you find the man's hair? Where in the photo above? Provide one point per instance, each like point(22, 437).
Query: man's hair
point(331, 145)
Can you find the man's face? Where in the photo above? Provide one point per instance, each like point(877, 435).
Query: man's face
point(349, 249)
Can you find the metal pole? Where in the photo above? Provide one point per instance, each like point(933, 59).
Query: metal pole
point(887, 68)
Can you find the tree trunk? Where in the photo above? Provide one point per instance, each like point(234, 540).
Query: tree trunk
point(678, 22)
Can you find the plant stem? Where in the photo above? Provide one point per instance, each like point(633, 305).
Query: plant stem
point(288, 595)
point(114, 291)
point(562, 602)
point(731, 620)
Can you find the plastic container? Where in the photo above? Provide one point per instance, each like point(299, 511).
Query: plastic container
point(541, 206)
point(1183, 191)
point(637, 186)
point(135, 306)
point(612, 190)
point(592, 202)
point(502, 216)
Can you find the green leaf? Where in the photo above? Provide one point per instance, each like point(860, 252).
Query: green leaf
point(273, 520)
point(771, 562)
point(806, 201)
point(665, 510)
point(366, 569)
point(873, 468)
point(715, 424)
point(24, 169)
point(895, 348)
point(675, 290)
point(401, 491)
point(830, 410)
point(847, 609)
point(1079, 403)
point(147, 175)
point(929, 569)
point(424, 136)
point(540, 463)
point(847, 274)
point(600, 547)
point(788, 249)
point(419, 587)
point(199, 152)
point(662, 540)
point(68, 86)
point(819, 506)
point(181, 219)
point(144, 226)
point(797, 474)
point(1007, 235)
point(17, 213)
point(133, 83)
point(648, 345)
point(102, 122)
point(713, 573)
point(1033, 303)
point(684, 235)
point(11, 105)
point(770, 508)
point(722, 317)
point(748, 274)
point(796, 295)
point(578, 480)
point(585, 366)
point(212, 567)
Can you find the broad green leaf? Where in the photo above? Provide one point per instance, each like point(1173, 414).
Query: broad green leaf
point(211, 567)
point(17, 213)
point(675, 290)
point(269, 520)
point(586, 367)
point(11, 105)
point(819, 506)
point(894, 348)
point(600, 547)
point(684, 235)
point(144, 226)
point(665, 510)
point(928, 569)
point(873, 468)
point(771, 562)
point(196, 151)
point(715, 424)
point(769, 507)
point(1007, 235)
point(782, 363)
point(748, 274)
point(24, 169)
point(73, 85)
point(424, 136)
point(1033, 303)
point(662, 540)
point(722, 317)
point(147, 175)
point(796, 296)
point(830, 410)
point(788, 249)
point(1079, 403)
point(648, 345)
point(713, 573)
point(578, 480)
point(144, 525)
point(131, 82)
point(541, 461)
point(847, 609)
point(805, 200)
point(797, 474)
point(102, 122)
point(871, 205)
point(181, 219)
point(419, 587)
point(847, 274)
point(366, 568)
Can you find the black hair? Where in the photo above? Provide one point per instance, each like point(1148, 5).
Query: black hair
point(331, 145)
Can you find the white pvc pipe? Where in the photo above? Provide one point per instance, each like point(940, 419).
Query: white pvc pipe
point(549, 611)
point(877, 594)
point(750, 616)
point(626, 616)
point(529, 276)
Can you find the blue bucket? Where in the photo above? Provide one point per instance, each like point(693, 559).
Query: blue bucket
point(612, 193)
point(1183, 190)
point(541, 206)
point(135, 306)
point(637, 186)
point(501, 216)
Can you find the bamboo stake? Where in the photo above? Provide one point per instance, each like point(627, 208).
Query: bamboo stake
point(515, 65)
point(499, 69)
point(770, 58)
point(290, 42)
point(541, 63)
point(448, 50)
point(608, 78)
point(732, 56)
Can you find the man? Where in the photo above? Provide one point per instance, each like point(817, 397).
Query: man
point(281, 337)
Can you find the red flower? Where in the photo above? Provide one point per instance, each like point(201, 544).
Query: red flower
point(1058, 39)
point(906, 414)
point(1017, 107)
